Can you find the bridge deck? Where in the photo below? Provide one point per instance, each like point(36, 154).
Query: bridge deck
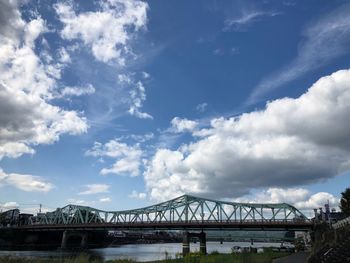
point(253, 225)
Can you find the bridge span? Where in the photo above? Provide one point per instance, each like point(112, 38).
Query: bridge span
point(186, 213)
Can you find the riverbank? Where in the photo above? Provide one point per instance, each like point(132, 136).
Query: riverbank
point(265, 257)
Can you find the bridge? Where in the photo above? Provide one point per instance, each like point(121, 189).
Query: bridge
point(186, 213)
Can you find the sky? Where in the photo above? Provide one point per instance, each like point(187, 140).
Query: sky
point(119, 104)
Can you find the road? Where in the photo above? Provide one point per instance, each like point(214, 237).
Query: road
point(299, 257)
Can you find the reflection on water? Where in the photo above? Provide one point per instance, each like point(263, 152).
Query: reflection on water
point(138, 252)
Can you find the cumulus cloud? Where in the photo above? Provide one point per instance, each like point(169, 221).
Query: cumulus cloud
point(137, 195)
point(64, 56)
point(179, 125)
point(27, 87)
point(91, 189)
point(9, 205)
point(318, 200)
point(291, 142)
point(10, 20)
point(321, 42)
point(25, 182)
point(128, 157)
point(301, 198)
point(108, 31)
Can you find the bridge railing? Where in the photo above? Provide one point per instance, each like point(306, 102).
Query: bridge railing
point(281, 221)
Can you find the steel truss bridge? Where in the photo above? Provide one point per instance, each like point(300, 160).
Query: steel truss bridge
point(183, 213)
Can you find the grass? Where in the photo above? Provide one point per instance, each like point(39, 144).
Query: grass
point(214, 257)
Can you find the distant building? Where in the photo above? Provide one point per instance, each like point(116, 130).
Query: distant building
point(328, 216)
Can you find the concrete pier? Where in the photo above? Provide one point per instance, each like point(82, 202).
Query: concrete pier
point(84, 239)
point(64, 240)
point(202, 243)
point(67, 234)
point(186, 242)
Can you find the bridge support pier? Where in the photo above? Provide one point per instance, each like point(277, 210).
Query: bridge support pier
point(64, 240)
point(185, 243)
point(84, 238)
point(202, 243)
point(66, 234)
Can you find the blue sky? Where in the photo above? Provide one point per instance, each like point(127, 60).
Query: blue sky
point(118, 104)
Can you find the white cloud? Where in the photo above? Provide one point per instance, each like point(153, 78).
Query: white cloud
point(179, 125)
point(25, 182)
point(77, 91)
point(10, 20)
point(27, 117)
point(142, 138)
point(91, 189)
point(9, 205)
point(137, 195)
point(245, 18)
point(105, 200)
point(33, 29)
point(14, 149)
point(128, 158)
point(64, 56)
point(291, 142)
point(31, 209)
point(78, 202)
point(145, 75)
point(137, 95)
point(322, 41)
point(35, 209)
point(202, 107)
point(108, 31)
point(301, 198)
point(318, 200)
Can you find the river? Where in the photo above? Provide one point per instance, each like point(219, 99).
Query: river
point(138, 252)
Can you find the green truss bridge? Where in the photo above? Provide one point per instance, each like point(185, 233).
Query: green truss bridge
point(186, 213)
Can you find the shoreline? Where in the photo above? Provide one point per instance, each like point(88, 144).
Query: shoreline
point(265, 257)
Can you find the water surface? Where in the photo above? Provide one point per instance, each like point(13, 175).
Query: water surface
point(138, 252)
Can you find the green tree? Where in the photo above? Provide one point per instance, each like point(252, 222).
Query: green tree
point(345, 202)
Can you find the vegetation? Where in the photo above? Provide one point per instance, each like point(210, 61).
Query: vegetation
point(299, 244)
point(214, 257)
point(345, 202)
point(325, 238)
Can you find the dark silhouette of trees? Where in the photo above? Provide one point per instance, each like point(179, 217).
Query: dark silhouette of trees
point(345, 202)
